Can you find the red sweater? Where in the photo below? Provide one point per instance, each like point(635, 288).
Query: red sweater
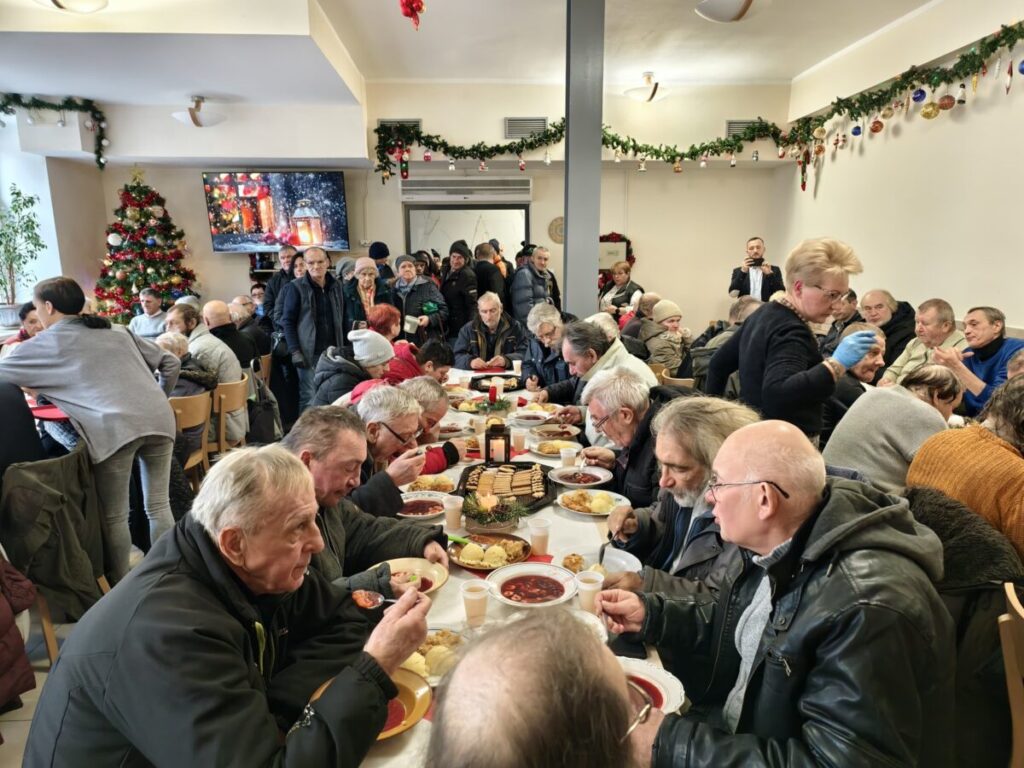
point(403, 365)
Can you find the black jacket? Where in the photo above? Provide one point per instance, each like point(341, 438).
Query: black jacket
point(239, 343)
point(256, 334)
point(475, 340)
point(413, 304)
point(852, 668)
point(488, 278)
point(779, 364)
point(298, 317)
point(546, 364)
point(377, 493)
point(622, 298)
point(898, 332)
point(740, 281)
point(830, 340)
point(636, 468)
point(848, 389)
point(354, 311)
point(180, 665)
point(271, 297)
point(335, 375)
point(460, 294)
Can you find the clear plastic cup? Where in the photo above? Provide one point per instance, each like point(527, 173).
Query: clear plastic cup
point(453, 513)
point(569, 456)
point(540, 530)
point(517, 367)
point(499, 387)
point(474, 599)
point(519, 439)
point(588, 584)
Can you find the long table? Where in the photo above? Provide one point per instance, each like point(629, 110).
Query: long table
point(569, 532)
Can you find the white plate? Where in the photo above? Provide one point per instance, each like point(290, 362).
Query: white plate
point(532, 446)
point(435, 680)
point(432, 495)
point(524, 418)
point(501, 575)
point(463, 430)
point(615, 560)
point(604, 476)
point(665, 682)
point(539, 432)
point(617, 500)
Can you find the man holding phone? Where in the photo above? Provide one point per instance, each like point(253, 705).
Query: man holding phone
point(756, 277)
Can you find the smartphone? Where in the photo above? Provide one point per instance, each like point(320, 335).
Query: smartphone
point(756, 262)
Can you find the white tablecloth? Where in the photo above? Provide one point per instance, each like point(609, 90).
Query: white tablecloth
point(569, 533)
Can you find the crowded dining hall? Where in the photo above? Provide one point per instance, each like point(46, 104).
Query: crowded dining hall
point(606, 391)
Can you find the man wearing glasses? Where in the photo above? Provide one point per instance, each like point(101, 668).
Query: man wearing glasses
point(832, 642)
point(392, 420)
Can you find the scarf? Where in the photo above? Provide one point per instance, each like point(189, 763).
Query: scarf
point(366, 297)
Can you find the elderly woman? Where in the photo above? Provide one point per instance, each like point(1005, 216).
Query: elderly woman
point(894, 422)
point(392, 420)
point(193, 378)
point(364, 291)
point(385, 320)
point(542, 363)
point(621, 406)
point(781, 370)
point(103, 380)
point(620, 295)
point(664, 339)
point(339, 371)
point(417, 298)
point(434, 402)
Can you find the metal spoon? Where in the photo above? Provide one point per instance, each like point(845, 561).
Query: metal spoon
point(369, 600)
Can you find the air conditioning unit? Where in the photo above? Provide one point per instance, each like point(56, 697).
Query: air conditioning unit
point(461, 190)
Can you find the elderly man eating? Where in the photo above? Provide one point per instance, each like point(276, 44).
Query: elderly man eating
point(829, 638)
point(622, 407)
point(208, 652)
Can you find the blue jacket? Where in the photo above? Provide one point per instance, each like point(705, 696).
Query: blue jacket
point(297, 318)
point(529, 288)
point(992, 371)
point(546, 364)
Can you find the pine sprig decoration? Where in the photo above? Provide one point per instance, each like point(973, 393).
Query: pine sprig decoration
point(396, 138)
point(508, 510)
point(12, 101)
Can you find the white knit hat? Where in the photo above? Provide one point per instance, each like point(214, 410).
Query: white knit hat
point(665, 309)
point(370, 348)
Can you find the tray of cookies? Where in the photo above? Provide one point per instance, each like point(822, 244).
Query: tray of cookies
point(527, 483)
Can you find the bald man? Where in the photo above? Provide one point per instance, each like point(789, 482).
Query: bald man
point(835, 647)
point(217, 317)
point(242, 308)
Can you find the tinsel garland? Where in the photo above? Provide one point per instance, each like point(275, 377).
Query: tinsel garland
point(395, 139)
point(12, 101)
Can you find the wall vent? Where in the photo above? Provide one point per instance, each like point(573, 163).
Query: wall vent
point(413, 122)
point(736, 127)
point(522, 127)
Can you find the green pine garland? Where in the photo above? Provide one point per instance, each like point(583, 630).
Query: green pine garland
point(12, 101)
point(395, 138)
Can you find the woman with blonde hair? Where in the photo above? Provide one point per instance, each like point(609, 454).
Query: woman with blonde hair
point(620, 295)
point(781, 371)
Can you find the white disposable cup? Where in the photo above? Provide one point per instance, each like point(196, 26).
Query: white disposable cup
point(517, 367)
point(569, 456)
point(479, 426)
point(519, 439)
point(540, 529)
point(588, 584)
point(474, 600)
point(453, 513)
point(499, 387)
point(412, 324)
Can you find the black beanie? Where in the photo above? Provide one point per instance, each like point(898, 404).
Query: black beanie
point(379, 250)
point(460, 247)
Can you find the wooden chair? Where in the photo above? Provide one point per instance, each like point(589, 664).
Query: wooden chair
point(1011, 633)
point(265, 368)
point(228, 398)
point(657, 369)
point(46, 620)
point(672, 382)
point(189, 413)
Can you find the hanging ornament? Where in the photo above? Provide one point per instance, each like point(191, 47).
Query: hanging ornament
point(405, 156)
point(522, 164)
point(919, 95)
point(835, 144)
point(856, 130)
point(755, 156)
point(412, 9)
point(1020, 67)
point(889, 111)
point(703, 161)
point(114, 239)
point(427, 157)
point(794, 152)
point(483, 167)
point(820, 132)
point(150, 270)
point(876, 126)
point(803, 162)
point(782, 153)
point(1009, 75)
point(120, 274)
point(974, 83)
point(131, 212)
point(547, 157)
point(642, 168)
point(843, 138)
point(403, 166)
point(961, 94)
point(175, 279)
point(618, 156)
point(451, 164)
point(819, 148)
point(156, 210)
point(677, 166)
point(150, 241)
point(108, 263)
point(732, 160)
point(930, 111)
point(948, 101)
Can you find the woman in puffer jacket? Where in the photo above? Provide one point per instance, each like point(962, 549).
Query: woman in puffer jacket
point(664, 339)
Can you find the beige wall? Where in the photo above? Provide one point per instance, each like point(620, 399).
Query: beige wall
point(76, 191)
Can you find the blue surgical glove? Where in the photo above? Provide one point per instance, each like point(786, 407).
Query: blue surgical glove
point(853, 348)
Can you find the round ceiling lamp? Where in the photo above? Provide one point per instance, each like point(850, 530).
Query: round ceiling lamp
point(723, 11)
point(648, 92)
point(74, 6)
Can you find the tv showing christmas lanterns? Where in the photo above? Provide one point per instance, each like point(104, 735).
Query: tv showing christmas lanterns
point(261, 210)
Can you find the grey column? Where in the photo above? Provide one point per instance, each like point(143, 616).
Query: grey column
point(584, 85)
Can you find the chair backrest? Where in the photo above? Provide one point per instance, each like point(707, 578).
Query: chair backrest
point(657, 369)
point(265, 368)
point(231, 397)
point(1011, 634)
point(191, 411)
point(673, 382)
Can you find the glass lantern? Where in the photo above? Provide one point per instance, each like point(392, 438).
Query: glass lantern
point(306, 224)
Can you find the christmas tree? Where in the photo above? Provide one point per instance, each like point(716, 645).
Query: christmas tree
point(144, 250)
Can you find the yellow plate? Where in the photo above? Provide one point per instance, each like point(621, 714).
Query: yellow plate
point(414, 696)
point(426, 569)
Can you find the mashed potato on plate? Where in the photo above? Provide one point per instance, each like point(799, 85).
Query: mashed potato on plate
point(416, 664)
point(472, 554)
point(496, 556)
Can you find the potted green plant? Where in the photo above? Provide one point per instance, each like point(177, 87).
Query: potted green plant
point(20, 245)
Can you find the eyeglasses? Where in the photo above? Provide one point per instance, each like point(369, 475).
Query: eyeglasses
point(399, 438)
point(831, 295)
point(715, 485)
point(642, 715)
point(599, 423)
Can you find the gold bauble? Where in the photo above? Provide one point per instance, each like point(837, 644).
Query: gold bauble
point(175, 279)
point(930, 111)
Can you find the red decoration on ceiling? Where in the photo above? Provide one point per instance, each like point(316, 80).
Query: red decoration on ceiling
point(412, 9)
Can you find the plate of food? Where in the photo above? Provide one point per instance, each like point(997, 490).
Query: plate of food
point(488, 380)
point(524, 418)
point(523, 482)
point(547, 408)
point(532, 585)
point(663, 688)
point(488, 551)
point(581, 477)
point(409, 706)
point(449, 429)
point(464, 404)
point(422, 505)
point(439, 483)
point(437, 655)
point(579, 559)
point(428, 577)
point(551, 448)
point(457, 390)
point(591, 503)
point(555, 431)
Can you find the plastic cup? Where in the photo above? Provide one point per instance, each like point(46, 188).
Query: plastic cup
point(412, 324)
point(479, 426)
point(499, 387)
point(453, 513)
point(569, 456)
point(519, 439)
point(588, 584)
point(517, 367)
point(474, 600)
point(540, 529)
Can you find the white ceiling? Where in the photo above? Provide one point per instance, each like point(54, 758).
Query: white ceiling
point(524, 41)
point(167, 69)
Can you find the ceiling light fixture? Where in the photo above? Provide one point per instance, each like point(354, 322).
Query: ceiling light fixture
point(74, 6)
point(723, 11)
point(648, 92)
point(192, 116)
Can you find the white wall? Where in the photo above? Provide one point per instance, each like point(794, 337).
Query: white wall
point(76, 192)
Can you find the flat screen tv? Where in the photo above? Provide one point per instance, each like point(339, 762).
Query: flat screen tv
point(263, 210)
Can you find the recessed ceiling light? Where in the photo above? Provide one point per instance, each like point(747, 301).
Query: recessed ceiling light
point(74, 6)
